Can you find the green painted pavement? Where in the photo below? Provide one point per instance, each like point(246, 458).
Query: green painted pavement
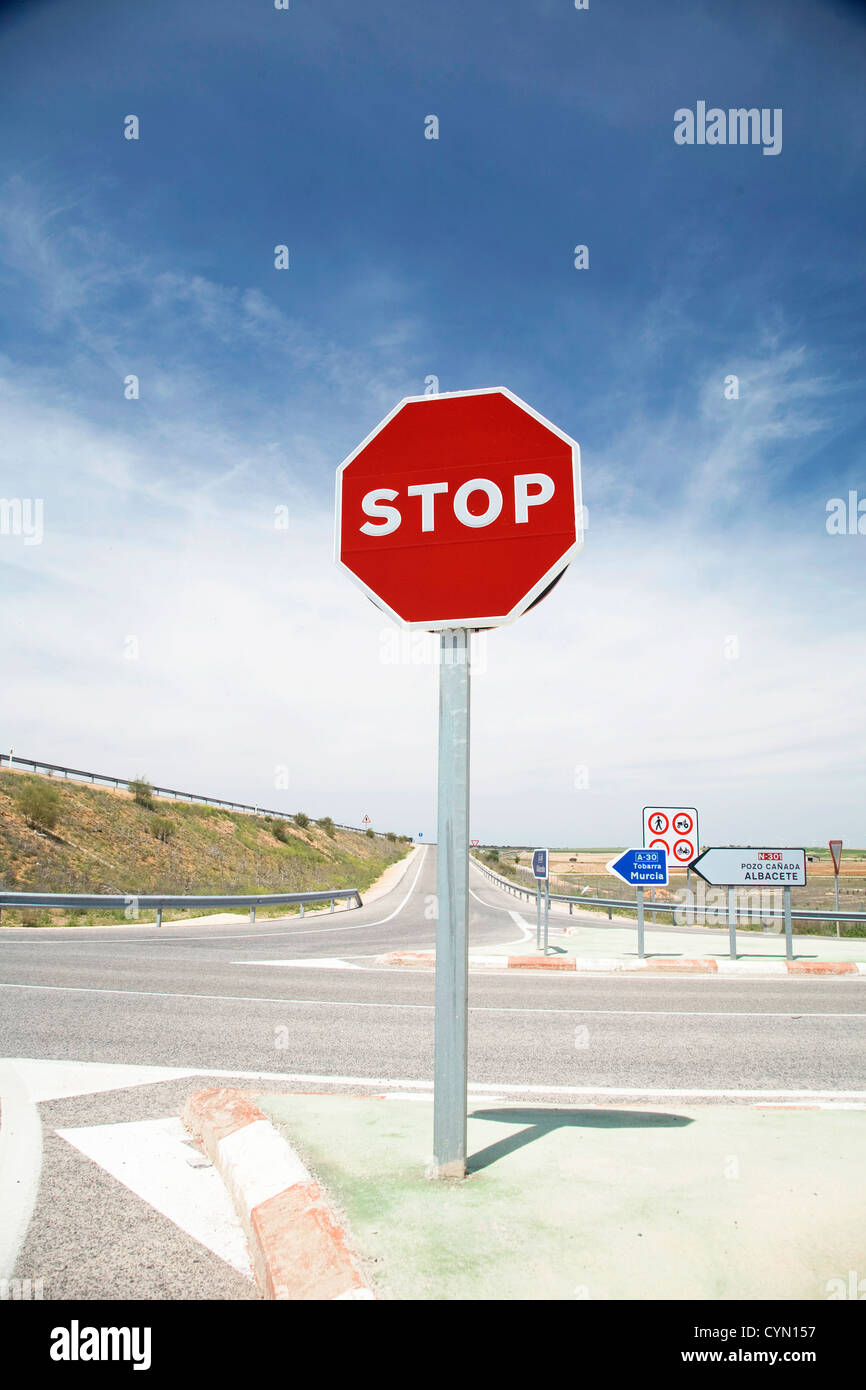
point(564, 1203)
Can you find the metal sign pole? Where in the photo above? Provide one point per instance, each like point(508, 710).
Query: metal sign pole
point(546, 911)
point(640, 922)
point(836, 886)
point(789, 941)
point(538, 914)
point(452, 936)
point(732, 923)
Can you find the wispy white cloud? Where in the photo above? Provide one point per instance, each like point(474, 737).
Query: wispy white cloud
point(253, 653)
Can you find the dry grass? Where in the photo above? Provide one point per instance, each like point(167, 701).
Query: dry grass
point(103, 843)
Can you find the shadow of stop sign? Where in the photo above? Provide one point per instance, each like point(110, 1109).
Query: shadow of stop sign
point(459, 510)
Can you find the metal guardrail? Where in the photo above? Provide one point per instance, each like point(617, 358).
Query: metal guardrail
point(746, 913)
point(13, 760)
point(132, 903)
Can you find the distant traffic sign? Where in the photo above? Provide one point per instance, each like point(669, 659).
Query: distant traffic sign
point(674, 829)
point(365, 820)
point(641, 868)
point(785, 868)
point(836, 851)
point(539, 863)
point(475, 843)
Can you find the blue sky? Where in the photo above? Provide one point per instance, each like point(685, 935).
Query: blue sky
point(452, 257)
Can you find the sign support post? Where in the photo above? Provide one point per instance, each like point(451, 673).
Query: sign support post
point(456, 514)
point(546, 911)
point(836, 854)
point(789, 940)
point(637, 868)
point(640, 951)
point(538, 914)
point(452, 940)
point(732, 921)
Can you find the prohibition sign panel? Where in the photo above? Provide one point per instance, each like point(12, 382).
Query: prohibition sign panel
point(672, 828)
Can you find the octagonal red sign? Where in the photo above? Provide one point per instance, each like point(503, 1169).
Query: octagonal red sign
point(460, 509)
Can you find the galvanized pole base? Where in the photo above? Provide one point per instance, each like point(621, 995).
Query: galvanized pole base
point(789, 941)
point(452, 928)
point(546, 911)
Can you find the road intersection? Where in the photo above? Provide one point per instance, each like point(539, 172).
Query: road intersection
point(110, 1029)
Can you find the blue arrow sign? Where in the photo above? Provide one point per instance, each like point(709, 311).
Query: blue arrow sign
point(641, 868)
point(539, 863)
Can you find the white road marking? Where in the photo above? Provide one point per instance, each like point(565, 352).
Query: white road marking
point(151, 1159)
point(20, 1164)
point(526, 930)
point(486, 1088)
point(322, 963)
point(58, 1080)
point(380, 1004)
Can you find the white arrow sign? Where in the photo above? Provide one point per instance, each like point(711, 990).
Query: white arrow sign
point(785, 868)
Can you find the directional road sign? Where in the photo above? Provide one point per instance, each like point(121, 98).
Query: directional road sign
point(539, 863)
point(641, 868)
point(782, 868)
point(459, 510)
point(674, 829)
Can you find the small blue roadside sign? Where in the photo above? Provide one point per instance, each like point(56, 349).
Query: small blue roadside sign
point(539, 863)
point(641, 868)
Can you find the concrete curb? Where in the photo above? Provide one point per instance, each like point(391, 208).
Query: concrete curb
point(298, 1247)
point(600, 964)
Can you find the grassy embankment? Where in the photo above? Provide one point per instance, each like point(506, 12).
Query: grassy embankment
point(104, 841)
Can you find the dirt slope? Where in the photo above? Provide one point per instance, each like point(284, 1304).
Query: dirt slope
point(103, 842)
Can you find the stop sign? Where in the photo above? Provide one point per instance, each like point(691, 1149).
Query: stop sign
point(460, 509)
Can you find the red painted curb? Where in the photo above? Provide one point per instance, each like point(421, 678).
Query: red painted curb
point(822, 967)
point(299, 1249)
point(662, 967)
point(532, 963)
point(304, 1250)
point(212, 1115)
point(406, 958)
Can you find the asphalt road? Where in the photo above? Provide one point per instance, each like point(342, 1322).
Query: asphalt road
point(233, 1004)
